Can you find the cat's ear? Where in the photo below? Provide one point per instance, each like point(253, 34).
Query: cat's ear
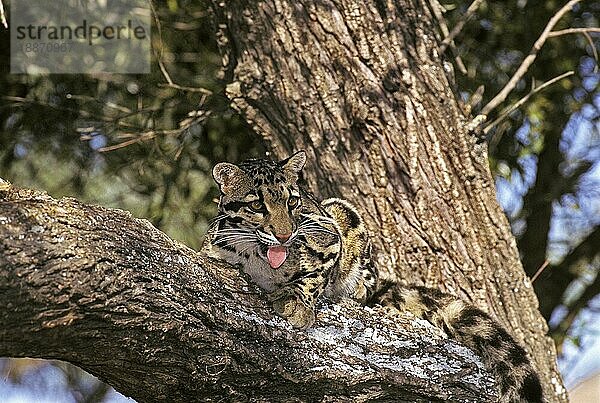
point(295, 163)
point(230, 178)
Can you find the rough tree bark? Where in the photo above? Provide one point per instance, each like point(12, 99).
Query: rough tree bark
point(161, 322)
point(361, 86)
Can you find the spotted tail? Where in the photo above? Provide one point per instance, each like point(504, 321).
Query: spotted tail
point(502, 356)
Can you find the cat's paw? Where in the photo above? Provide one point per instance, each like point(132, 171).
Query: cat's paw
point(287, 305)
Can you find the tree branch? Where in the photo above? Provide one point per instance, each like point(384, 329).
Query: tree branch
point(459, 25)
point(569, 31)
point(436, 7)
point(157, 320)
point(528, 61)
point(3, 16)
point(587, 250)
point(522, 101)
point(159, 58)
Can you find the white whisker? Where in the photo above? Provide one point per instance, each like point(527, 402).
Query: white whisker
point(234, 238)
point(315, 227)
point(316, 218)
point(244, 250)
point(314, 231)
point(235, 243)
point(236, 229)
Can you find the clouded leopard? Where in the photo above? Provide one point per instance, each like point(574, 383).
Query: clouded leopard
point(298, 249)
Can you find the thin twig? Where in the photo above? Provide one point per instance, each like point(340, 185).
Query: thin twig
point(588, 37)
point(149, 135)
point(110, 105)
point(501, 96)
point(163, 69)
point(158, 52)
point(586, 33)
point(189, 89)
point(21, 100)
point(459, 26)
point(437, 11)
point(573, 31)
point(126, 143)
point(521, 101)
point(540, 270)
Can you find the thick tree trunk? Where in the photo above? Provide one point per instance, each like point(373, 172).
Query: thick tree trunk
point(361, 87)
point(163, 323)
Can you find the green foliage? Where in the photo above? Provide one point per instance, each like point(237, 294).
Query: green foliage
point(130, 142)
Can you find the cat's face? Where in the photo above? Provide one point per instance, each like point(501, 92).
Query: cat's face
point(263, 197)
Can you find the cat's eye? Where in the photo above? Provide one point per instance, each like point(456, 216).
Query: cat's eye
point(293, 201)
point(256, 205)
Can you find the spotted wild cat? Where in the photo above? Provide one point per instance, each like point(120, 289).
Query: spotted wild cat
point(297, 249)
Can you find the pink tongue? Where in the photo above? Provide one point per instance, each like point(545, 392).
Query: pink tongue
point(276, 255)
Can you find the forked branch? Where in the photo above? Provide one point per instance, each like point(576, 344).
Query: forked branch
point(522, 101)
point(528, 61)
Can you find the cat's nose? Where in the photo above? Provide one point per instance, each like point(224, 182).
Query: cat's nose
point(283, 237)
